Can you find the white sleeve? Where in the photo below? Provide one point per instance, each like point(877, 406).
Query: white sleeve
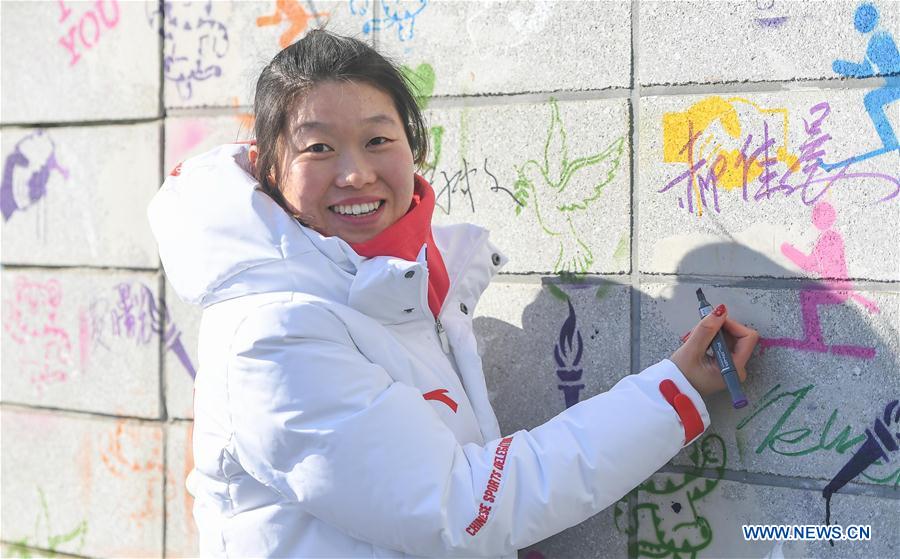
point(319, 424)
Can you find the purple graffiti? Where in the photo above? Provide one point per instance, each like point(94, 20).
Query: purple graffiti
point(769, 21)
point(568, 358)
point(27, 171)
point(806, 175)
point(194, 42)
point(136, 314)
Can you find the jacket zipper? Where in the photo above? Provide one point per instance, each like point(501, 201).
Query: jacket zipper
point(442, 335)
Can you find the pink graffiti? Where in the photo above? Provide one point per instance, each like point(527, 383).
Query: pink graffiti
point(185, 136)
point(828, 262)
point(83, 35)
point(31, 320)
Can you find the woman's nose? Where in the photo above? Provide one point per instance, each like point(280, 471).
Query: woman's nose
point(355, 171)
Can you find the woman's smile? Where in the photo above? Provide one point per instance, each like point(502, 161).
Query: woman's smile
point(351, 171)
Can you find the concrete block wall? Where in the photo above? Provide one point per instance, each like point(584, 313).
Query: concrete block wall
point(623, 153)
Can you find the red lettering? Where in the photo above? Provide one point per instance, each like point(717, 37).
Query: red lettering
point(102, 11)
point(70, 46)
point(96, 29)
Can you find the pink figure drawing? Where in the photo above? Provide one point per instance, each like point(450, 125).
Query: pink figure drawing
point(826, 260)
point(30, 320)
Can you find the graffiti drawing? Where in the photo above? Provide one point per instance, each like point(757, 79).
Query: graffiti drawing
point(136, 314)
point(125, 453)
point(880, 444)
point(883, 58)
point(769, 21)
point(558, 189)
point(45, 352)
point(714, 138)
point(521, 22)
point(87, 31)
point(827, 261)
point(666, 521)
point(793, 434)
point(27, 172)
point(393, 16)
point(45, 538)
point(194, 42)
point(421, 80)
point(295, 14)
point(568, 359)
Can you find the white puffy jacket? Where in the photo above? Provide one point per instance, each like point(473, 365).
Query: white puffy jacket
point(332, 420)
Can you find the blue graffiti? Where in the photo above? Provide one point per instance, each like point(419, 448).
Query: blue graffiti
point(881, 58)
point(393, 16)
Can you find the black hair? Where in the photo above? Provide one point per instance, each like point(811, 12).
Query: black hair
point(318, 57)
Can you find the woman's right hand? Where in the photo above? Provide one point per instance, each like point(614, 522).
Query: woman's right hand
point(698, 366)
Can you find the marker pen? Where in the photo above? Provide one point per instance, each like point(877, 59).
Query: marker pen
point(723, 358)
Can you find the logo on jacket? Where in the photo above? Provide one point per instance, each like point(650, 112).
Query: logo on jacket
point(440, 395)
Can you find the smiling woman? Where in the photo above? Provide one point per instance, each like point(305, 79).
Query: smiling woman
point(340, 405)
point(350, 172)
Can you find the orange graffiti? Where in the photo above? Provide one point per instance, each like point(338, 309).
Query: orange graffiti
point(713, 129)
point(125, 453)
point(295, 14)
point(246, 120)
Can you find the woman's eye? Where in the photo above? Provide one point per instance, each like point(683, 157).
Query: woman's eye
point(378, 141)
point(318, 148)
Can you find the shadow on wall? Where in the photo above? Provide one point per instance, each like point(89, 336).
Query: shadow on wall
point(821, 342)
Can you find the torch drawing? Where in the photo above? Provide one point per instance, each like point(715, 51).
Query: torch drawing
point(880, 444)
point(568, 357)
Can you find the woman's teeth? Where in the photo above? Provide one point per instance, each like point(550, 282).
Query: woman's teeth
point(356, 209)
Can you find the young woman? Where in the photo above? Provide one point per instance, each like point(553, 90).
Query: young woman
point(340, 406)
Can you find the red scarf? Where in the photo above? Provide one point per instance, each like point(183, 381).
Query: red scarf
point(404, 238)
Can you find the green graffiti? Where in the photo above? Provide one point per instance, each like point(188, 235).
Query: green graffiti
point(550, 188)
point(421, 80)
point(622, 249)
point(787, 439)
point(603, 290)
point(665, 522)
point(50, 541)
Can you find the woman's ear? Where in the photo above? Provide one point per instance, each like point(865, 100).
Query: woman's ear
point(253, 154)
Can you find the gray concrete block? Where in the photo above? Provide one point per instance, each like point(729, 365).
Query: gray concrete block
point(523, 328)
point(596, 537)
point(684, 515)
point(81, 340)
point(489, 47)
point(74, 61)
point(180, 363)
point(192, 135)
point(716, 222)
point(810, 403)
point(213, 52)
point(769, 40)
point(83, 485)
point(78, 196)
point(181, 531)
point(554, 192)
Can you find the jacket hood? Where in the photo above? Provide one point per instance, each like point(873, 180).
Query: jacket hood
point(220, 236)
